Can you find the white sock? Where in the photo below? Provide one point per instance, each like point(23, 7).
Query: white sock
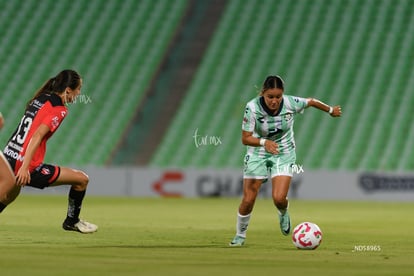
point(242, 224)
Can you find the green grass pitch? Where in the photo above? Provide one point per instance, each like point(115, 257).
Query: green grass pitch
point(190, 237)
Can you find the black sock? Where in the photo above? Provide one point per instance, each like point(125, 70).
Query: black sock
point(2, 206)
point(74, 206)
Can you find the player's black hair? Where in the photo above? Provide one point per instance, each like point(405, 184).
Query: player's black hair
point(66, 78)
point(273, 82)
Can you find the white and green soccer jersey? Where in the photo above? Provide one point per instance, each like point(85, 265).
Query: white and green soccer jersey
point(279, 127)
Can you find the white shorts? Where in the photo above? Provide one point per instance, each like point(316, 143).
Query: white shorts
point(261, 167)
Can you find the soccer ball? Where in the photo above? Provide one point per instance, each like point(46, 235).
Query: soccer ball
point(307, 235)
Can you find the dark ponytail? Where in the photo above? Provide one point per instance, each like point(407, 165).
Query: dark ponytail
point(58, 84)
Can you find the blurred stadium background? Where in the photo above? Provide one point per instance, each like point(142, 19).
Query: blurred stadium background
point(158, 72)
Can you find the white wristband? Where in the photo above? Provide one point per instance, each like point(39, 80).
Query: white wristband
point(330, 110)
point(262, 142)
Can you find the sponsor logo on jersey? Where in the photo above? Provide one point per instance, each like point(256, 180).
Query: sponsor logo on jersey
point(37, 103)
point(15, 146)
point(13, 154)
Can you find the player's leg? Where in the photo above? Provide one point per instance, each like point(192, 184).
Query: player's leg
point(255, 171)
point(79, 183)
point(8, 190)
point(251, 188)
point(281, 173)
point(280, 189)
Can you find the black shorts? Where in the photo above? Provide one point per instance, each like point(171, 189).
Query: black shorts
point(43, 176)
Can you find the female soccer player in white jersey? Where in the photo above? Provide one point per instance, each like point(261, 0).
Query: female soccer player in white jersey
point(267, 131)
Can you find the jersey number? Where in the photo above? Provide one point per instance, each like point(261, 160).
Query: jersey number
point(273, 132)
point(23, 130)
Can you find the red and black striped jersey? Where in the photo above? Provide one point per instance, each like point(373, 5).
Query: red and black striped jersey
point(47, 109)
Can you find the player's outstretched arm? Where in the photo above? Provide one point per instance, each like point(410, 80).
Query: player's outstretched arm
point(334, 111)
point(23, 174)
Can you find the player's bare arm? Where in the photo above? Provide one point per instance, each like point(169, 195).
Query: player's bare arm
point(249, 140)
point(23, 175)
point(334, 111)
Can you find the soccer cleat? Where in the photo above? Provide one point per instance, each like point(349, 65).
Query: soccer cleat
point(237, 241)
point(81, 226)
point(284, 221)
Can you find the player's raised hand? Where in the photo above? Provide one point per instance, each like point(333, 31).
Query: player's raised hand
point(337, 111)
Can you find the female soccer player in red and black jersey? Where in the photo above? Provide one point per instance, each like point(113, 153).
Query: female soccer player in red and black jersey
point(26, 148)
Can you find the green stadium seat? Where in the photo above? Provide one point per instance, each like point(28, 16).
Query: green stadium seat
point(353, 53)
point(117, 46)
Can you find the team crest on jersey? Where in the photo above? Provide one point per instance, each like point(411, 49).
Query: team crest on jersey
point(45, 171)
point(288, 117)
point(55, 121)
